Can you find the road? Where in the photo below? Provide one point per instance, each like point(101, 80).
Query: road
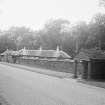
point(21, 87)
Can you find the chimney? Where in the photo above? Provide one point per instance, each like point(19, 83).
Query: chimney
point(58, 49)
point(40, 48)
point(24, 51)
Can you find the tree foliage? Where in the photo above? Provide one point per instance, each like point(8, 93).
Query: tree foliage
point(57, 32)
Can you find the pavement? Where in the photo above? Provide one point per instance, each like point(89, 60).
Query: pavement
point(22, 87)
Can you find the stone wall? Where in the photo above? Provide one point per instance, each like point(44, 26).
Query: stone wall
point(57, 65)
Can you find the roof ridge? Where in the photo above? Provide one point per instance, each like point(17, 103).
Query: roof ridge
point(40, 50)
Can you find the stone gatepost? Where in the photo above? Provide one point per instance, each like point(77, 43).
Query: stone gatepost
point(89, 70)
point(75, 68)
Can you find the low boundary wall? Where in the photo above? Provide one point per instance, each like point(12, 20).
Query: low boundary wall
point(57, 65)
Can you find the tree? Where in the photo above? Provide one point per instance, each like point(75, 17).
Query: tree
point(52, 33)
point(102, 3)
point(80, 34)
point(97, 29)
point(22, 37)
point(6, 43)
point(55, 28)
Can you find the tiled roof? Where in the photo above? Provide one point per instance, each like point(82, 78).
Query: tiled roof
point(15, 53)
point(64, 54)
point(88, 54)
point(39, 53)
point(44, 53)
point(10, 52)
point(6, 52)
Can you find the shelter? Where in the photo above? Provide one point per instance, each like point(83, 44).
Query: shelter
point(93, 62)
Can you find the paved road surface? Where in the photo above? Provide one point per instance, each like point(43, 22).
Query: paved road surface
point(20, 87)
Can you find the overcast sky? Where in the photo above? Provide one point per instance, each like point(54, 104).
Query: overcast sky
point(34, 13)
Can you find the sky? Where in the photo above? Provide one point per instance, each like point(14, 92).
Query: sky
point(35, 13)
